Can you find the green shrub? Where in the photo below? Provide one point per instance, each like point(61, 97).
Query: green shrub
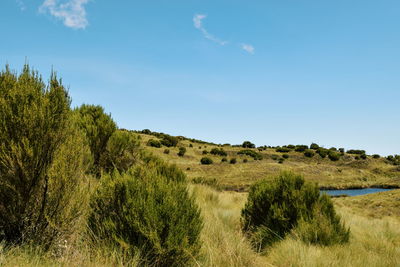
point(154, 143)
point(282, 149)
point(190, 145)
point(218, 151)
point(205, 152)
point(301, 148)
point(322, 152)
point(206, 161)
point(248, 144)
point(233, 161)
point(274, 157)
point(166, 151)
point(356, 151)
point(245, 160)
point(285, 156)
point(376, 156)
point(281, 160)
point(43, 161)
point(147, 211)
point(341, 150)
point(314, 146)
point(98, 128)
point(121, 151)
point(274, 209)
point(309, 153)
point(169, 141)
point(224, 160)
point(251, 153)
point(182, 151)
point(291, 146)
point(333, 156)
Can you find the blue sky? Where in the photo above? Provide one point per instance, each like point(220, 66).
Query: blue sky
point(272, 72)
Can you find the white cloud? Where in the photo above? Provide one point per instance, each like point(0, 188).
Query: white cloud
point(198, 24)
point(71, 12)
point(248, 48)
point(21, 4)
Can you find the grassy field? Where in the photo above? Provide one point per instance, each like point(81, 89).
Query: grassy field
point(345, 173)
point(375, 238)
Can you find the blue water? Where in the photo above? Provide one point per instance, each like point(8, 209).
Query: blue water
point(354, 192)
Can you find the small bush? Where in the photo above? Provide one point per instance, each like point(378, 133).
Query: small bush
point(206, 161)
point(282, 149)
point(245, 160)
point(233, 161)
point(314, 146)
point(274, 157)
point(333, 156)
point(363, 156)
point(376, 156)
point(274, 209)
point(322, 152)
point(309, 153)
point(356, 151)
point(248, 144)
point(182, 151)
point(281, 160)
point(154, 143)
point(251, 153)
point(301, 148)
point(190, 145)
point(169, 141)
point(205, 152)
point(285, 156)
point(166, 151)
point(147, 210)
point(218, 151)
point(224, 160)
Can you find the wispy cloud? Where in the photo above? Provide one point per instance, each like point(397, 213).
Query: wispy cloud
point(198, 24)
point(71, 12)
point(21, 4)
point(248, 48)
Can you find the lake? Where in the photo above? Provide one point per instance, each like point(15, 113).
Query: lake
point(354, 192)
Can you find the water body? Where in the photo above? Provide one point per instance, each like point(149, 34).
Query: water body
point(354, 192)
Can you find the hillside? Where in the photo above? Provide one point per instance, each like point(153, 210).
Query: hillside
point(349, 171)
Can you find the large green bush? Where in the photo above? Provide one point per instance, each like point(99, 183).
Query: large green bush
point(154, 143)
point(121, 151)
point(274, 209)
point(148, 210)
point(98, 128)
point(206, 161)
point(248, 144)
point(43, 161)
point(219, 152)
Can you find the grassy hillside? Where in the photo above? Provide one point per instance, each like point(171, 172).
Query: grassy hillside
point(349, 171)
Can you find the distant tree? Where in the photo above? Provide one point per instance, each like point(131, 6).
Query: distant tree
point(309, 153)
point(248, 144)
point(314, 146)
point(182, 151)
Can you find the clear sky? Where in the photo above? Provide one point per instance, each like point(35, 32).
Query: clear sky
point(272, 72)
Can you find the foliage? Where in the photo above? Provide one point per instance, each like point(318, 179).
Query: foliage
point(283, 149)
point(285, 156)
point(205, 152)
point(333, 156)
point(245, 160)
point(43, 161)
point(206, 161)
point(314, 146)
point(233, 161)
point(182, 151)
point(121, 151)
point(224, 160)
point(322, 152)
point(248, 144)
point(148, 210)
point(356, 151)
point(98, 128)
point(154, 143)
point(218, 151)
point(251, 153)
point(169, 141)
point(274, 209)
point(309, 153)
point(166, 151)
point(301, 148)
point(376, 156)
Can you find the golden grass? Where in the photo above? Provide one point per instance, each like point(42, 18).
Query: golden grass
point(374, 241)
